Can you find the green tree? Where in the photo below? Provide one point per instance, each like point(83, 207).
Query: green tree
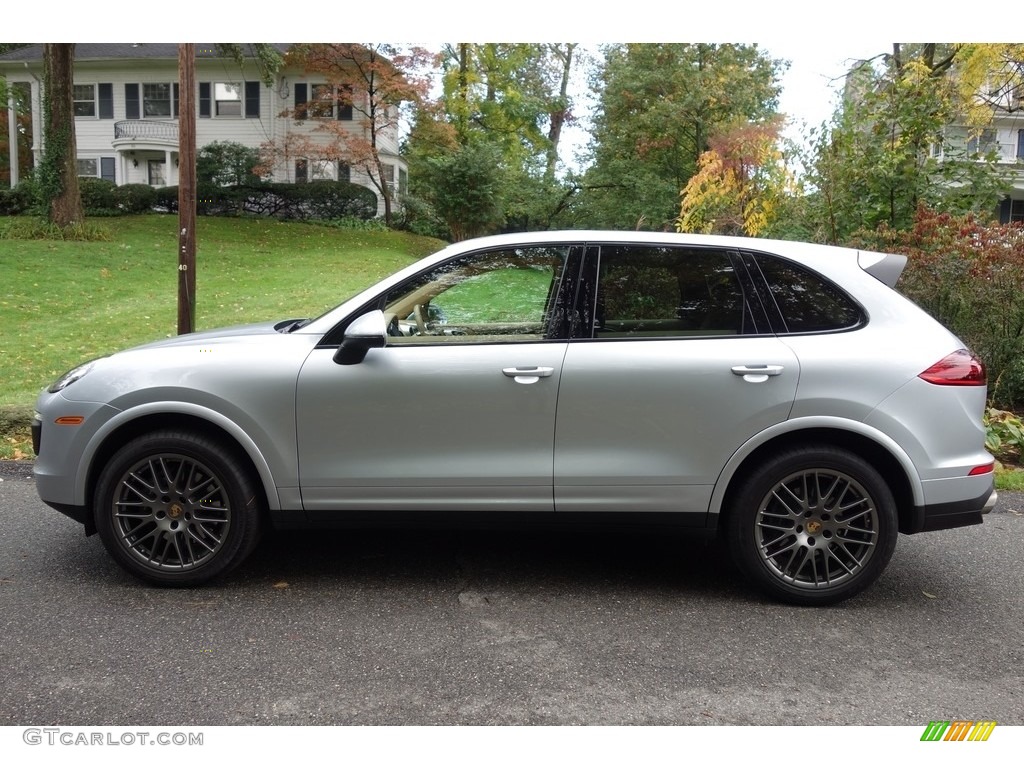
point(464, 188)
point(659, 104)
point(890, 147)
point(501, 113)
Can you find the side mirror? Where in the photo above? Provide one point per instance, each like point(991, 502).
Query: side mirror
point(366, 332)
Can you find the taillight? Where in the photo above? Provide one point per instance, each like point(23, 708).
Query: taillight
point(959, 369)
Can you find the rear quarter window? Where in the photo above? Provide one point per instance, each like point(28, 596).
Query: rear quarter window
point(807, 302)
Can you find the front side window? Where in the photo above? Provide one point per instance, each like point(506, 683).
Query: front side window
point(659, 291)
point(88, 166)
point(85, 100)
point(504, 296)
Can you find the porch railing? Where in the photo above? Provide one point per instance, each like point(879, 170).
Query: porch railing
point(152, 130)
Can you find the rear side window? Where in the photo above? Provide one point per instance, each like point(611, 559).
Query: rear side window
point(807, 302)
point(653, 291)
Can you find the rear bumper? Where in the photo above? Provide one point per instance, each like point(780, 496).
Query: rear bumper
point(952, 514)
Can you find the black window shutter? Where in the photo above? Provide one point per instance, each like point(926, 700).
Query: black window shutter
point(300, 100)
point(301, 171)
point(344, 103)
point(344, 172)
point(175, 97)
point(204, 99)
point(1004, 211)
point(1020, 144)
point(252, 98)
point(107, 169)
point(131, 101)
point(106, 101)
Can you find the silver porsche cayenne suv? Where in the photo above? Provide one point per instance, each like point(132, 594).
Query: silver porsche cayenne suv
point(779, 395)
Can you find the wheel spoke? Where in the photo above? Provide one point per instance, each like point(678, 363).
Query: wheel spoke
point(816, 529)
point(171, 512)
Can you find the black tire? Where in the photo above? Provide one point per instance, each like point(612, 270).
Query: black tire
point(177, 508)
point(813, 526)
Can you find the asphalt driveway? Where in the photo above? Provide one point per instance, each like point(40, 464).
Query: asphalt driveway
point(491, 628)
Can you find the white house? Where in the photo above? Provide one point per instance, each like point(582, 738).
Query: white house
point(126, 109)
point(1004, 137)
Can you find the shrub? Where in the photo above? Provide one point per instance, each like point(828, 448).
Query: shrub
point(30, 228)
point(166, 199)
point(1004, 435)
point(136, 198)
point(969, 276)
point(227, 163)
point(326, 200)
point(99, 196)
point(24, 198)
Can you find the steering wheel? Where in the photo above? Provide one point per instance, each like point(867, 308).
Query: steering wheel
point(419, 312)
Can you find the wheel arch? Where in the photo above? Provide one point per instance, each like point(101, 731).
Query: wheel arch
point(891, 462)
point(131, 424)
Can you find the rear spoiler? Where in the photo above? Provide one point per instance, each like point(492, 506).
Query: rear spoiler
point(886, 267)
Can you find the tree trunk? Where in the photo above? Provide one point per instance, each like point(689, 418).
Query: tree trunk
point(385, 187)
point(60, 161)
point(557, 116)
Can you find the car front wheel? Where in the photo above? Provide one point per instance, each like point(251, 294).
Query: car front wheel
point(813, 526)
point(177, 508)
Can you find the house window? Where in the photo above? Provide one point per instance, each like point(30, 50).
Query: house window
point(403, 182)
point(157, 175)
point(321, 102)
point(227, 98)
point(324, 101)
point(344, 172)
point(1016, 211)
point(157, 101)
point(321, 170)
point(313, 170)
point(85, 100)
point(102, 167)
point(389, 173)
point(982, 143)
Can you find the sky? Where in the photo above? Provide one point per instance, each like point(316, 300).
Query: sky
point(819, 41)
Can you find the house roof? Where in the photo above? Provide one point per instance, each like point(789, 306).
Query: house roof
point(107, 51)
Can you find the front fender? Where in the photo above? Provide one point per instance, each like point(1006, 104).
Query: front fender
point(177, 408)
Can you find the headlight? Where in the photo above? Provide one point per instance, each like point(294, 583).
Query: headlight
point(71, 376)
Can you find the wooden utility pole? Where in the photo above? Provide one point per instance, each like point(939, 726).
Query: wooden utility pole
point(187, 188)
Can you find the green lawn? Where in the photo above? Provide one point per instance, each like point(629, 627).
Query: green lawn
point(64, 302)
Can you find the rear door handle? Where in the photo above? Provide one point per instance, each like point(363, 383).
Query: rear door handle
point(757, 373)
point(528, 375)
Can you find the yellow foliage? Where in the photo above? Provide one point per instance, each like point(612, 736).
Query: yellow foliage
point(738, 195)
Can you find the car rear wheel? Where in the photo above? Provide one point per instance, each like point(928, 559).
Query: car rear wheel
point(813, 526)
point(177, 508)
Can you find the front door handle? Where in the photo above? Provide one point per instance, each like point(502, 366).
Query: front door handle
point(755, 374)
point(528, 375)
